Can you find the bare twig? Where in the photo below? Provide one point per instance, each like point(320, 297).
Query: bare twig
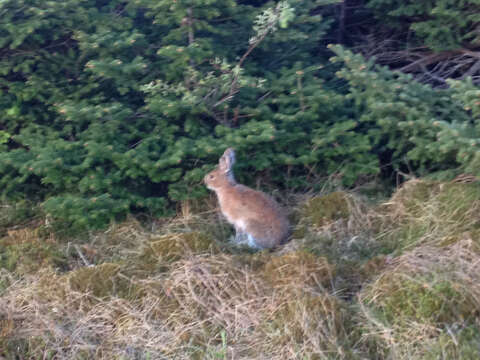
point(300, 93)
point(426, 65)
point(191, 38)
point(85, 261)
point(233, 85)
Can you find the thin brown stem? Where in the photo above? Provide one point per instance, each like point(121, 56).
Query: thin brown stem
point(191, 37)
point(300, 93)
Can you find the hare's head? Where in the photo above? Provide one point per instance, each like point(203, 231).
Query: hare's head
point(223, 174)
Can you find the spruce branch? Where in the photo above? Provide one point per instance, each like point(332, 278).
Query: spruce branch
point(265, 24)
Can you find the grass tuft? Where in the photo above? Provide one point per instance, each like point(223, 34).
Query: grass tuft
point(26, 250)
point(298, 269)
point(422, 295)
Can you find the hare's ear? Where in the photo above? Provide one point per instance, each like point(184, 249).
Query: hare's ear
point(227, 160)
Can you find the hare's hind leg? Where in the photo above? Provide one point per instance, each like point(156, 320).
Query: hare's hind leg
point(244, 238)
point(241, 237)
point(252, 243)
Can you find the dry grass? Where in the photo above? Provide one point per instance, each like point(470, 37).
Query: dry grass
point(427, 212)
point(393, 281)
point(98, 313)
point(424, 294)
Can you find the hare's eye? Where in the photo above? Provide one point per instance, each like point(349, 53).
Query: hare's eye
point(211, 177)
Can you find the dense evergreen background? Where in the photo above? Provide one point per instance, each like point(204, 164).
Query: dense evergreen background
point(111, 107)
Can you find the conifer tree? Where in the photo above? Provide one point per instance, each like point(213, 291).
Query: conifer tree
point(111, 107)
point(123, 106)
point(413, 126)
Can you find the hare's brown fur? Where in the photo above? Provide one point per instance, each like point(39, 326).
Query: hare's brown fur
point(251, 212)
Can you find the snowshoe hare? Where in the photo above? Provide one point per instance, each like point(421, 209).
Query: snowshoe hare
point(259, 220)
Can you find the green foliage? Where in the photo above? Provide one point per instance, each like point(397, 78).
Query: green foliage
point(411, 123)
point(83, 212)
point(67, 82)
point(114, 107)
point(315, 128)
point(4, 136)
point(463, 137)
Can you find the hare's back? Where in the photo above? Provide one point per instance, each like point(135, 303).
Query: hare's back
point(267, 221)
point(245, 202)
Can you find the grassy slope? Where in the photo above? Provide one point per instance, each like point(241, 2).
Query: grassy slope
point(396, 280)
